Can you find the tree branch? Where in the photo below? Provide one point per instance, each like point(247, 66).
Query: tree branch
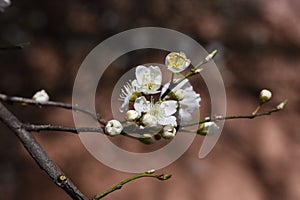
point(39, 155)
point(13, 99)
point(251, 116)
point(50, 127)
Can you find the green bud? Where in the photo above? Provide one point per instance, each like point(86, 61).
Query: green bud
point(164, 177)
point(211, 55)
point(282, 105)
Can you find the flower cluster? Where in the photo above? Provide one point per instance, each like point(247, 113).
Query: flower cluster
point(148, 104)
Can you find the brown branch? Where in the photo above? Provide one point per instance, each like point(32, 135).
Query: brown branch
point(21, 100)
point(39, 155)
point(50, 127)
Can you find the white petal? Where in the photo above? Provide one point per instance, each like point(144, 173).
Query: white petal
point(139, 73)
point(185, 117)
point(156, 75)
point(171, 120)
point(141, 105)
point(168, 107)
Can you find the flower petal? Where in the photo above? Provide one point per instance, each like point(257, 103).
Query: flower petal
point(168, 108)
point(141, 105)
point(171, 120)
point(139, 73)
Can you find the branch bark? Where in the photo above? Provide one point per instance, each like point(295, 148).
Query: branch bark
point(13, 99)
point(39, 155)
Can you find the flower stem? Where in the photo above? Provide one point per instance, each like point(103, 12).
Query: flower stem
point(218, 118)
point(151, 174)
point(257, 109)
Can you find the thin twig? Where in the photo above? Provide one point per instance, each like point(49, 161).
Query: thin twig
point(24, 101)
point(60, 128)
point(39, 155)
point(151, 174)
point(219, 118)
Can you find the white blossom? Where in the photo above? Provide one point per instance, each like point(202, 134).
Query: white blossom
point(41, 96)
point(113, 127)
point(168, 132)
point(148, 79)
point(188, 100)
point(159, 113)
point(132, 115)
point(177, 62)
point(4, 4)
point(265, 95)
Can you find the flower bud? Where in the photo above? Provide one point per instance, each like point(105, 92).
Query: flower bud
point(168, 132)
point(132, 115)
point(282, 105)
point(210, 56)
point(113, 127)
point(205, 127)
point(41, 96)
point(265, 96)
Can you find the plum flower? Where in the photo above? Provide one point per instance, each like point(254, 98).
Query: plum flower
point(177, 62)
point(159, 113)
point(41, 96)
point(148, 78)
point(187, 98)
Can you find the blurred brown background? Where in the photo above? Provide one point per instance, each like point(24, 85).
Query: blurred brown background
point(259, 44)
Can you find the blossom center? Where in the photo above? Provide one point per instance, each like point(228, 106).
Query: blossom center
point(177, 60)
